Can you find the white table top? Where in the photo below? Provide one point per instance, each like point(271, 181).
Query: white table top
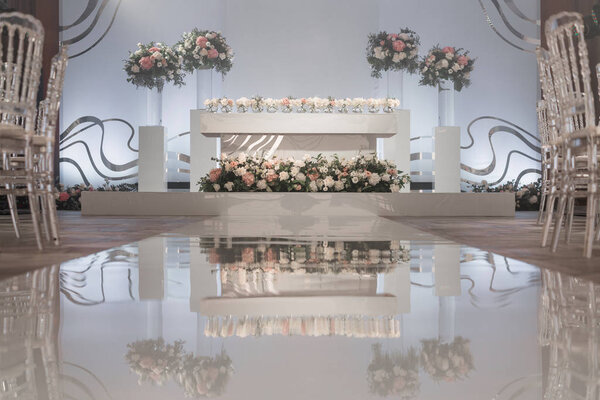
point(216, 124)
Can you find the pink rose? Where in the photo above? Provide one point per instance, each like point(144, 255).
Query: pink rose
point(382, 42)
point(214, 174)
point(146, 63)
point(463, 60)
point(248, 178)
point(285, 101)
point(201, 41)
point(153, 49)
point(448, 49)
point(399, 45)
point(272, 177)
point(213, 53)
point(64, 196)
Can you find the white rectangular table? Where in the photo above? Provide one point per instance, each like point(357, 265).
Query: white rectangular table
point(296, 134)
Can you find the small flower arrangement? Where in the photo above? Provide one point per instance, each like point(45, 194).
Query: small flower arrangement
point(446, 63)
point(69, 198)
point(364, 173)
point(447, 361)
point(303, 105)
point(243, 104)
point(153, 64)
point(394, 375)
point(393, 52)
point(204, 50)
point(527, 197)
point(155, 361)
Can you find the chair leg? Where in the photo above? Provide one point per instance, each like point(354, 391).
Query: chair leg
point(560, 214)
point(44, 207)
point(590, 220)
point(35, 215)
point(540, 219)
point(570, 215)
point(53, 218)
point(14, 212)
point(549, 217)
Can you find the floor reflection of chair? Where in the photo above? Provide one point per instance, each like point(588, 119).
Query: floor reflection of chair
point(571, 329)
point(29, 317)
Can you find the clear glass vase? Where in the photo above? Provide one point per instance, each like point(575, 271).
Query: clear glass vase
point(204, 86)
point(395, 86)
point(446, 103)
point(154, 106)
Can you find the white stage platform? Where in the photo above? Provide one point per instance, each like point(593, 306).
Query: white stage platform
point(299, 204)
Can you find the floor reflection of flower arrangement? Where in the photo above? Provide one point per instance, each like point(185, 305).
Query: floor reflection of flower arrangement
point(205, 376)
point(447, 361)
point(155, 361)
point(395, 374)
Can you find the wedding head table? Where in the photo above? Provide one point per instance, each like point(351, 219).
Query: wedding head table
point(296, 134)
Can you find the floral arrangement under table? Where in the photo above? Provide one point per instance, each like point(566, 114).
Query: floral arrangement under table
point(296, 133)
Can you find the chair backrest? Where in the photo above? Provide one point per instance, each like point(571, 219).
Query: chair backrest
point(543, 124)
point(21, 44)
point(49, 107)
point(571, 71)
point(550, 100)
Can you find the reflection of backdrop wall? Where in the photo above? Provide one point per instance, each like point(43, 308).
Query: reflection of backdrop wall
point(312, 47)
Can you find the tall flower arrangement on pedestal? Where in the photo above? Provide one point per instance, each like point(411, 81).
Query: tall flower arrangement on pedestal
point(205, 50)
point(393, 52)
point(446, 63)
point(152, 65)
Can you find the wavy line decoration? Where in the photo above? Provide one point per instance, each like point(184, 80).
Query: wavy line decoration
point(510, 34)
point(72, 138)
point(94, 11)
point(505, 127)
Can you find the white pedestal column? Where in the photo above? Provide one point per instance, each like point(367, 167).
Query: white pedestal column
point(202, 148)
point(152, 161)
point(203, 283)
point(446, 270)
point(397, 283)
point(447, 159)
point(397, 148)
point(151, 256)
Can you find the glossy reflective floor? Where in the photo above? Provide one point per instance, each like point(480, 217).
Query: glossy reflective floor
point(298, 308)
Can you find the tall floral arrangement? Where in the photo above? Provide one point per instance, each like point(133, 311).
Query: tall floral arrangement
point(364, 173)
point(393, 52)
point(205, 50)
point(153, 64)
point(448, 362)
point(394, 375)
point(154, 360)
point(446, 63)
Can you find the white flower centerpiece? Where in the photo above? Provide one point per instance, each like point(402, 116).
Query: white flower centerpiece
point(204, 50)
point(243, 104)
point(364, 173)
point(151, 66)
point(449, 69)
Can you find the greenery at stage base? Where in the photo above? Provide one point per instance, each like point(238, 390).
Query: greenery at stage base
point(527, 197)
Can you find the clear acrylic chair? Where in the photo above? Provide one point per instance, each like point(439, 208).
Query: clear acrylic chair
point(578, 132)
point(21, 43)
point(546, 155)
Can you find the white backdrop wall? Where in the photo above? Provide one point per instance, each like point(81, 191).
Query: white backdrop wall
point(300, 48)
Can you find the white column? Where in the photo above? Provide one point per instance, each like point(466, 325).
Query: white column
point(446, 270)
point(447, 159)
point(397, 148)
point(397, 283)
point(202, 281)
point(151, 258)
point(152, 161)
point(201, 150)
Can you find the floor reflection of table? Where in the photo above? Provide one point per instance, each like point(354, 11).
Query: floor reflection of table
point(296, 134)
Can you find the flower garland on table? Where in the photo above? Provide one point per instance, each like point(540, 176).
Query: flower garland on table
point(302, 105)
point(204, 50)
point(446, 64)
point(364, 173)
point(393, 52)
point(394, 375)
point(153, 64)
point(527, 197)
point(447, 361)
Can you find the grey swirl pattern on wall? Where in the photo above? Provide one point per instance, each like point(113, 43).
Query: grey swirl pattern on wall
point(506, 127)
point(513, 37)
point(93, 28)
point(72, 138)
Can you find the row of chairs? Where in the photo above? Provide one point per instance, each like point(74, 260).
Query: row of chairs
point(568, 131)
point(26, 127)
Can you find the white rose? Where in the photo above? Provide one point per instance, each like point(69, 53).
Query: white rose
point(396, 57)
point(355, 179)
point(329, 182)
point(385, 177)
point(157, 55)
point(325, 188)
point(217, 187)
point(135, 69)
point(313, 186)
point(402, 56)
point(339, 185)
point(222, 56)
point(229, 186)
point(138, 52)
point(404, 36)
point(242, 158)
point(374, 179)
point(294, 171)
point(240, 171)
point(284, 176)
point(262, 184)
point(300, 177)
point(299, 163)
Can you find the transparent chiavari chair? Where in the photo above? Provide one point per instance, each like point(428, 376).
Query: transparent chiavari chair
point(578, 131)
point(21, 42)
point(43, 145)
point(546, 155)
